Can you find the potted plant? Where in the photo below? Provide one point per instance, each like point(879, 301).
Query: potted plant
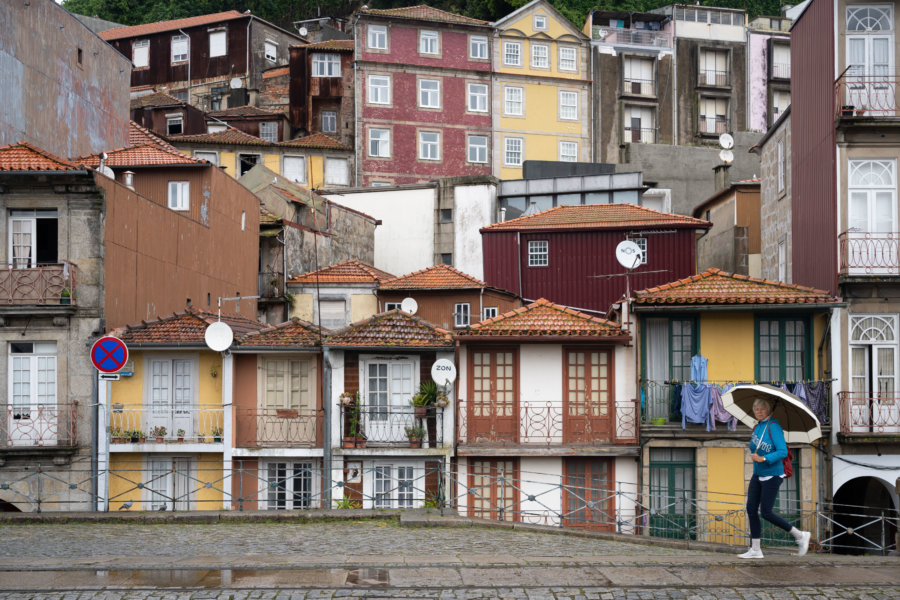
point(135, 436)
point(427, 396)
point(415, 435)
point(65, 296)
point(180, 435)
point(158, 432)
point(354, 436)
point(116, 436)
point(217, 434)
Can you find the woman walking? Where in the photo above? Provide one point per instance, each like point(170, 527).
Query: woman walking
point(767, 450)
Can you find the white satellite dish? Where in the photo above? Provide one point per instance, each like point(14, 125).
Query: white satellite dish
point(303, 31)
point(218, 336)
point(236, 83)
point(629, 254)
point(726, 141)
point(726, 156)
point(409, 306)
point(443, 371)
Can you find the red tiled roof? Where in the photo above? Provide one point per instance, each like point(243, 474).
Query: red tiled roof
point(276, 72)
point(348, 271)
point(717, 287)
point(156, 99)
point(434, 278)
point(160, 26)
point(423, 12)
point(393, 329)
point(338, 45)
point(598, 216)
point(26, 157)
point(295, 332)
point(544, 318)
point(246, 111)
point(187, 328)
point(143, 156)
point(141, 136)
point(226, 136)
point(316, 140)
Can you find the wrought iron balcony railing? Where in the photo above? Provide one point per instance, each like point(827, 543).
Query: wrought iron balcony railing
point(197, 423)
point(862, 95)
point(632, 37)
point(644, 135)
point(40, 425)
point(865, 253)
point(638, 87)
point(869, 414)
point(711, 77)
point(47, 284)
point(282, 428)
point(781, 70)
point(712, 125)
point(388, 426)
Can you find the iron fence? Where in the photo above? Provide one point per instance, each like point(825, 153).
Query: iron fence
point(392, 426)
point(865, 413)
point(165, 422)
point(283, 428)
point(868, 253)
point(39, 425)
point(47, 284)
point(713, 77)
point(865, 95)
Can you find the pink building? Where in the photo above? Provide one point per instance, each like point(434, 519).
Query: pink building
point(423, 104)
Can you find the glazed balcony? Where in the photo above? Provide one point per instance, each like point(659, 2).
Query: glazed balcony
point(864, 414)
point(632, 37)
point(547, 424)
point(200, 423)
point(278, 428)
point(49, 285)
point(39, 425)
point(865, 254)
point(866, 96)
point(386, 426)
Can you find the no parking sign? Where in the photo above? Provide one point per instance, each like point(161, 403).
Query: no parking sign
point(109, 354)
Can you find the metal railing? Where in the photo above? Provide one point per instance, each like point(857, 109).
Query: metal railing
point(390, 426)
point(638, 87)
point(632, 37)
point(271, 284)
point(538, 498)
point(285, 428)
point(714, 78)
point(197, 423)
point(868, 414)
point(862, 95)
point(867, 253)
point(712, 125)
point(546, 424)
point(48, 284)
point(781, 70)
point(40, 425)
point(644, 135)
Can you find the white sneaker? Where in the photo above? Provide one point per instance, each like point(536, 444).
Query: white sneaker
point(751, 553)
point(803, 543)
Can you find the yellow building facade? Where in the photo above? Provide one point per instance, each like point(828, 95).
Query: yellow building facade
point(541, 90)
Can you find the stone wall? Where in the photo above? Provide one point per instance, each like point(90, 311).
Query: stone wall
point(775, 205)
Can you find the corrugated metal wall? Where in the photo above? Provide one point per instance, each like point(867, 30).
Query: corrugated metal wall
point(814, 197)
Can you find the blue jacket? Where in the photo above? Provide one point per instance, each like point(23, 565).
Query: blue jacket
point(772, 447)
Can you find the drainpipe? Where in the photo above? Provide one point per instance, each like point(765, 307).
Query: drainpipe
point(519, 259)
point(181, 31)
point(674, 79)
point(326, 429)
point(247, 63)
point(356, 99)
point(95, 439)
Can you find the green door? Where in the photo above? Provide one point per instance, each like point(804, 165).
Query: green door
point(672, 493)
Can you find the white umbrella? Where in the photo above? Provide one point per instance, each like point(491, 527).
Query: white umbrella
point(800, 425)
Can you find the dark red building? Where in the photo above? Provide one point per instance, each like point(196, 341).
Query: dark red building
point(423, 100)
point(568, 254)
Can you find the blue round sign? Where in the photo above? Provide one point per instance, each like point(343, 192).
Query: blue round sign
point(109, 354)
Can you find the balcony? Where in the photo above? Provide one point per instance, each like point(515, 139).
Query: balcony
point(865, 254)
point(326, 87)
point(638, 87)
point(385, 426)
point(47, 285)
point(712, 78)
point(271, 285)
point(712, 125)
point(278, 428)
point(39, 425)
point(547, 425)
point(864, 414)
point(865, 96)
point(781, 70)
point(632, 37)
point(198, 423)
point(643, 135)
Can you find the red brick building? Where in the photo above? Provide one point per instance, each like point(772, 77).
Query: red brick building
point(423, 104)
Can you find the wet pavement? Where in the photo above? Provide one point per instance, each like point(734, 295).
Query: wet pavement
point(416, 556)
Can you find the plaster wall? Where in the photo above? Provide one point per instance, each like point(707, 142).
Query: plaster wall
point(757, 79)
point(541, 478)
point(726, 339)
point(475, 207)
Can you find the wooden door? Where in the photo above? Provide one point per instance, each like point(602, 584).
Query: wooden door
point(588, 497)
point(493, 490)
point(588, 400)
point(493, 409)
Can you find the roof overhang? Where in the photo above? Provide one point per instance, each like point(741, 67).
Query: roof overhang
point(796, 307)
point(546, 339)
point(393, 349)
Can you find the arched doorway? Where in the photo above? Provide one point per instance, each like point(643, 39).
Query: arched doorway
point(858, 507)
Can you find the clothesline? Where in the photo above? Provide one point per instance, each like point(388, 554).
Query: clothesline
point(739, 381)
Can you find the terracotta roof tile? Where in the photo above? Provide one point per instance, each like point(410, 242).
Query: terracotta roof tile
point(544, 318)
point(245, 111)
point(316, 140)
point(338, 45)
point(348, 271)
point(598, 216)
point(143, 156)
point(160, 26)
point(276, 72)
point(156, 99)
point(434, 278)
point(717, 287)
point(26, 157)
point(187, 328)
point(293, 333)
point(141, 136)
point(423, 12)
point(227, 136)
point(392, 329)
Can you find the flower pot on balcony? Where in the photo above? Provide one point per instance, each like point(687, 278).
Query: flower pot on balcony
point(159, 440)
point(421, 412)
point(354, 442)
point(415, 442)
point(847, 110)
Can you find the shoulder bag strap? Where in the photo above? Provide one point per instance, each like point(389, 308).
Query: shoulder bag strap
point(765, 429)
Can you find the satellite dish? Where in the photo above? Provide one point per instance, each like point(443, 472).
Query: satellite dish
point(726, 141)
point(303, 31)
point(629, 254)
point(409, 306)
point(106, 171)
point(219, 336)
point(236, 83)
point(726, 156)
point(603, 33)
point(443, 371)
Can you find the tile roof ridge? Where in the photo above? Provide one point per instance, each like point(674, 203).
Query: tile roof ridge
point(68, 162)
point(441, 267)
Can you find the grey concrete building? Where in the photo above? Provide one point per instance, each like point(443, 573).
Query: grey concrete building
point(775, 200)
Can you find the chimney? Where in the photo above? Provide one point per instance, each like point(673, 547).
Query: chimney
point(128, 179)
point(720, 174)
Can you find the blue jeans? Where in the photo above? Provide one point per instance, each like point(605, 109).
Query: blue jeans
point(762, 494)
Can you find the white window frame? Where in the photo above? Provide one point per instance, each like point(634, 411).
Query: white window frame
point(171, 480)
point(26, 395)
point(508, 148)
point(429, 42)
point(171, 397)
point(287, 471)
point(489, 312)
point(568, 151)
point(568, 105)
point(218, 43)
point(389, 306)
point(180, 46)
point(430, 149)
point(478, 47)
point(268, 131)
point(329, 121)
point(270, 50)
point(207, 155)
point(568, 55)
point(179, 195)
point(780, 162)
point(140, 53)
point(462, 314)
point(172, 120)
point(717, 122)
point(642, 244)
point(378, 89)
point(278, 376)
point(540, 56)
point(329, 174)
point(539, 22)
point(331, 312)
point(430, 97)
point(512, 54)
point(326, 64)
point(301, 161)
point(400, 386)
point(480, 150)
point(538, 253)
point(376, 37)
point(384, 488)
point(477, 97)
point(380, 142)
point(513, 100)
